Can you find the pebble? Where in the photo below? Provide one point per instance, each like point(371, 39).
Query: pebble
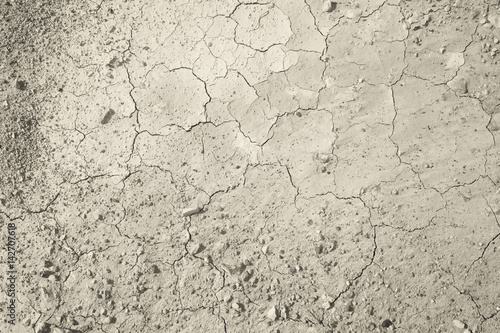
point(386, 323)
point(284, 312)
point(458, 324)
point(246, 276)
point(21, 85)
point(326, 305)
point(46, 274)
point(265, 249)
point(328, 6)
point(191, 211)
point(460, 86)
point(236, 306)
point(272, 313)
point(322, 158)
point(197, 248)
point(353, 14)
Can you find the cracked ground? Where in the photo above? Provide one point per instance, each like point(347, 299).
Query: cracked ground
point(251, 166)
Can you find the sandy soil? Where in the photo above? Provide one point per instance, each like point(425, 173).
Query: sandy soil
point(249, 166)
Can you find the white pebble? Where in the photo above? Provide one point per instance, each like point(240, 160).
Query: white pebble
point(272, 313)
point(190, 211)
point(458, 324)
point(326, 305)
point(328, 6)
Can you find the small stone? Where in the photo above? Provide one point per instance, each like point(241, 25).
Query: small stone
point(442, 50)
point(272, 313)
point(322, 157)
point(21, 85)
point(265, 249)
point(285, 312)
point(349, 307)
point(236, 306)
point(190, 211)
point(427, 20)
point(196, 248)
point(460, 86)
point(328, 6)
point(467, 331)
point(246, 276)
point(386, 323)
point(458, 324)
point(326, 305)
point(43, 328)
point(27, 322)
point(107, 117)
point(228, 298)
point(354, 14)
point(496, 41)
point(46, 273)
point(57, 330)
point(155, 269)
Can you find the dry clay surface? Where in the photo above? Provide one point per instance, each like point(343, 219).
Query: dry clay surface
point(251, 166)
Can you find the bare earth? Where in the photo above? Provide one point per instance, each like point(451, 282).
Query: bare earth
point(250, 166)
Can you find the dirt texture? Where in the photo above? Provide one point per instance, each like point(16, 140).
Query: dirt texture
point(250, 166)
